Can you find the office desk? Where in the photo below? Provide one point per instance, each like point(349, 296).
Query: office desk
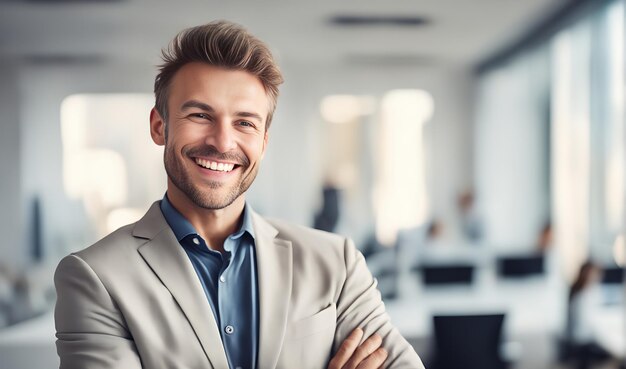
point(535, 309)
point(531, 306)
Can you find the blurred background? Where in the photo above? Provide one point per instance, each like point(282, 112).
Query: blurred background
point(474, 150)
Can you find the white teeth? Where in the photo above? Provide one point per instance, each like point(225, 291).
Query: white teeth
point(220, 167)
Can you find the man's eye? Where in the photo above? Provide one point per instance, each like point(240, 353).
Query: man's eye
point(199, 116)
point(245, 123)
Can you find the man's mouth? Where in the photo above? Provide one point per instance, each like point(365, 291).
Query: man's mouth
point(215, 165)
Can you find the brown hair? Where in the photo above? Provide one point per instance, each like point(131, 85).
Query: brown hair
point(583, 278)
point(222, 44)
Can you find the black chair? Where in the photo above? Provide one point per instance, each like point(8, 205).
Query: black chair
point(455, 274)
point(520, 266)
point(388, 283)
point(468, 342)
point(613, 275)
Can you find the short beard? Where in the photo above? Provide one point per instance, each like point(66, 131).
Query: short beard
point(207, 199)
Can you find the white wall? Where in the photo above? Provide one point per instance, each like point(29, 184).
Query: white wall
point(512, 156)
point(12, 243)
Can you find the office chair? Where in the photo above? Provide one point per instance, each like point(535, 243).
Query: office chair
point(613, 275)
point(468, 342)
point(520, 266)
point(451, 274)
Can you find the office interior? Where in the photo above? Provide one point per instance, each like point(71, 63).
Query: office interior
point(474, 151)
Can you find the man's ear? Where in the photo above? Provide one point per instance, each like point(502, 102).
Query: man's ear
point(157, 127)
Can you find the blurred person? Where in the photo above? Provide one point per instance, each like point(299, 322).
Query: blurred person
point(471, 223)
point(202, 280)
point(434, 231)
point(327, 217)
point(7, 282)
point(435, 239)
point(33, 292)
point(409, 243)
point(583, 300)
point(417, 244)
point(544, 248)
point(544, 239)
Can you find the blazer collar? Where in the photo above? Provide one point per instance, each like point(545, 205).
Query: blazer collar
point(171, 264)
point(274, 277)
point(151, 224)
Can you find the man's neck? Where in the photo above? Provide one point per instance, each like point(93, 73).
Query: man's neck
point(214, 226)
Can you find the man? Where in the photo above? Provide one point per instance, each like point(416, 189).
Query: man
point(202, 281)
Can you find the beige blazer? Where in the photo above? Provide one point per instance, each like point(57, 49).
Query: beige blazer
point(133, 300)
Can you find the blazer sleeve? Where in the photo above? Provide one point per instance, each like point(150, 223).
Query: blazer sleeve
point(91, 331)
point(360, 305)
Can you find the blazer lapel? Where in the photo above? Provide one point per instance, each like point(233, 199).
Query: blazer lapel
point(274, 274)
point(170, 263)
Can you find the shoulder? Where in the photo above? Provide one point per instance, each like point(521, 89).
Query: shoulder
point(118, 244)
point(296, 232)
point(312, 246)
point(116, 252)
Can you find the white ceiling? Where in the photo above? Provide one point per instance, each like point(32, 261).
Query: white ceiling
point(462, 32)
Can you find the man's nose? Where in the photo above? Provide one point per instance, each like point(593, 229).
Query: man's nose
point(222, 137)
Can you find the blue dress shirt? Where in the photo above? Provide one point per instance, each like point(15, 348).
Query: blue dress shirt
point(229, 281)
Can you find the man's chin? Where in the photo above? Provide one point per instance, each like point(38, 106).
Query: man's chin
point(213, 201)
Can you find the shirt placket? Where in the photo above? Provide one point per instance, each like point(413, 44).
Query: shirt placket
point(228, 324)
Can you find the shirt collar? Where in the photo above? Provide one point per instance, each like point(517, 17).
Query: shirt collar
point(183, 228)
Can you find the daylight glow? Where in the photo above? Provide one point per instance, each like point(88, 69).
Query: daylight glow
point(401, 194)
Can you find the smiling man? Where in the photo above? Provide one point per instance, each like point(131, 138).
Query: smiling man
point(202, 281)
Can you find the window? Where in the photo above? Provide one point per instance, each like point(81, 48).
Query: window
point(110, 164)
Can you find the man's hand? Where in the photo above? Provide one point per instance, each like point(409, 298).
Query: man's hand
point(369, 355)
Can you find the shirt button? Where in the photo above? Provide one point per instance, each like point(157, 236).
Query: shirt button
point(229, 329)
point(196, 241)
point(222, 279)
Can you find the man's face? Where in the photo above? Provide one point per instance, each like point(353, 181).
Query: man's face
point(216, 133)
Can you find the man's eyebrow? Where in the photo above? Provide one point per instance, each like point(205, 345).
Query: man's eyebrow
point(246, 114)
point(196, 104)
point(206, 107)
